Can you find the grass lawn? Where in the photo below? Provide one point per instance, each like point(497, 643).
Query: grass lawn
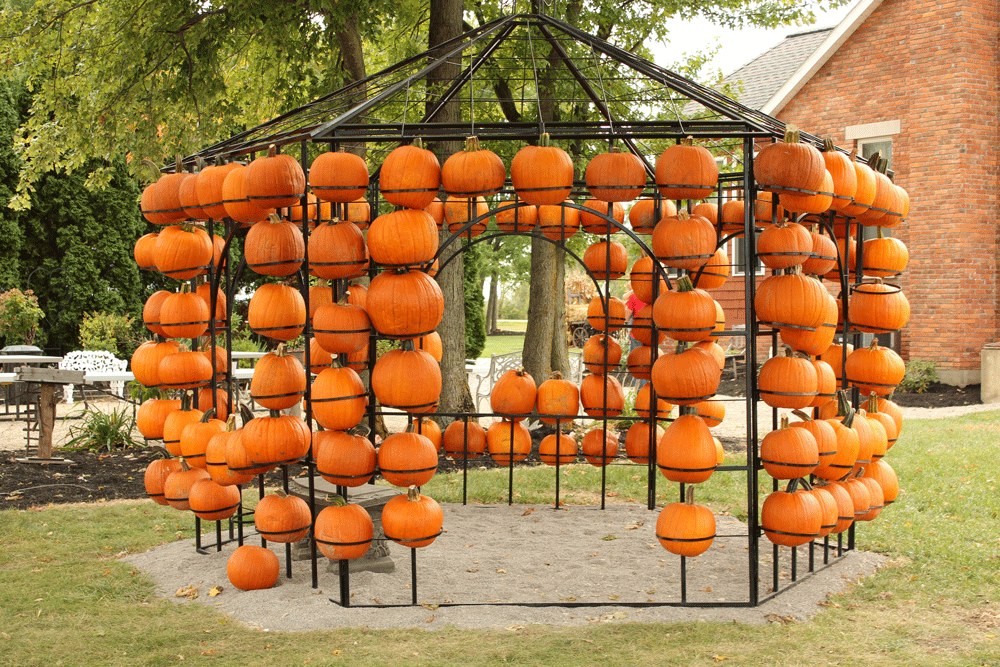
point(65, 599)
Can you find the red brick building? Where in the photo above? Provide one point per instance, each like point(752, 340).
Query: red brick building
point(919, 80)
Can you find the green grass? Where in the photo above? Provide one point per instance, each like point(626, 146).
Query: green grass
point(513, 325)
point(67, 600)
point(502, 345)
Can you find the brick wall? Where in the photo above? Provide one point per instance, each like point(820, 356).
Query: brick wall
point(934, 67)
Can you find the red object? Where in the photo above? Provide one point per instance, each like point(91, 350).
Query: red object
point(634, 304)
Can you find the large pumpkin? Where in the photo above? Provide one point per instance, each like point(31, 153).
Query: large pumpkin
point(343, 458)
point(282, 518)
point(252, 568)
point(275, 180)
point(276, 439)
point(184, 314)
point(407, 237)
point(508, 442)
point(208, 189)
point(686, 171)
point(410, 176)
point(464, 440)
point(277, 311)
point(279, 380)
point(212, 502)
point(412, 520)
point(542, 174)
point(686, 313)
point(339, 398)
point(602, 396)
point(789, 167)
point(274, 247)
point(559, 397)
point(338, 176)
point(788, 381)
point(684, 528)
point(337, 250)
point(686, 453)
point(341, 328)
point(177, 486)
point(405, 305)
point(615, 176)
point(874, 369)
point(473, 172)
point(787, 453)
point(790, 518)
point(407, 379)
point(686, 377)
point(684, 241)
point(407, 459)
point(343, 531)
point(182, 251)
point(513, 395)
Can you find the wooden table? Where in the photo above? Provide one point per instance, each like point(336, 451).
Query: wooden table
point(47, 379)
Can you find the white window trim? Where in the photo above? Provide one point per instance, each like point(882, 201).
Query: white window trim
point(881, 130)
point(737, 270)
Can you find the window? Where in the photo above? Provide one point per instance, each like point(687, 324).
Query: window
point(739, 259)
point(868, 147)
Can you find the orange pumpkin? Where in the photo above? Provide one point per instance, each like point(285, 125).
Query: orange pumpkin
point(410, 176)
point(542, 174)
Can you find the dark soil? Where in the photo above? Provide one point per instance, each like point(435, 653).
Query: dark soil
point(119, 475)
point(937, 395)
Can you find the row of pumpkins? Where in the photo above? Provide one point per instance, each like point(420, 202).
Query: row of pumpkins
point(408, 305)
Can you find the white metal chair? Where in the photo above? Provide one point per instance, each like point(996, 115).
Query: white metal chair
point(94, 361)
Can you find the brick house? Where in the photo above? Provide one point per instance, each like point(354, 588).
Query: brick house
point(918, 80)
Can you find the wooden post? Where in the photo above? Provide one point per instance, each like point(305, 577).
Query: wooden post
point(46, 418)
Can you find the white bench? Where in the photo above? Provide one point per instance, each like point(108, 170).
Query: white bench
point(95, 363)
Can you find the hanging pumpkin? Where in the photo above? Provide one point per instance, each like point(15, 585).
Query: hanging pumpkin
point(642, 326)
point(188, 198)
point(598, 222)
point(177, 486)
point(874, 307)
point(823, 258)
point(184, 314)
point(845, 506)
point(686, 377)
point(277, 439)
point(784, 244)
point(684, 528)
point(877, 502)
point(516, 217)
point(344, 531)
point(791, 300)
point(640, 440)
point(464, 440)
point(557, 449)
point(684, 242)
point(791, 517)
point(687, 451)
point(182, 251)
point(558, 221)
point(407, 379)
point(685, 314)
point(615, 176)
point(279, 380)
point(829, 511)
point(184, 369)
point(861, 497)
point(874, 369)
point(815, 203)
point(411, 519)
point(160, 202)
point(645, 214)
point(640, 362)
point(822, 432)
point(341, 328)
point(842, 173)
point(789, 167)
point(211, 502)
point(686, 171)
point(338, 176)
point(599, 446)
point(215, 458)
point(712, 412)
point(641, 279)
point(608, 318)
point(410, 176)
point(542, 174)
point(238, 205)
point(143, 251)
point(339, 398)
point(238, 460)
point(282, 518)
point(344, 458)
point(513, 394)
point(195, 436)
point(883, 257)
point(208, 189)
point(337, 250)
point(459, 211)
point(473, 172)
point(888, 423)
point(788, 381)
point(404, 305)
point(407, 237)
point(156, 475)
point(602, 396)
point(714, 273)
point(508, 442)
point(557, 396)
point(848, 443)
point(204, 290)
point(883, 474)
point(274, 247)
point(601, 353)
point(787, 453)
point(152, 414)
point(408, 458)
point(606, 260)
point(275, 180)
point(277, 311)
point(146, 360)
point(431, 344)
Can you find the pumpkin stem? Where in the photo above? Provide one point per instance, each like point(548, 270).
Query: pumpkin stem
point(184, 465)
point(687, 141)
point(153, 169)
point(274, 414)
point(407, 345)
point(680, 347)
point(683, 215)
point(281, 493)
point(873, 403)
point(472, 144)
point(337, 500)
point(844, 408)
point(544, 141)
point(281, 351)
point(689, 495)
point(801, 415)
point(272, 150)
point(792, 135)
point(186, 398)
point(246, 413)
point(417, 142)
point(687, 410)
point(208, 414)
point(273, 218)
point(828, 145)
point(556, 375)
point(231, 423)
point(684, 284)
point(786, 351)
point(178, 163)
point(805, 484)
point(783, 424)
point(874, 345)
point(412, 494)
point(792, 485)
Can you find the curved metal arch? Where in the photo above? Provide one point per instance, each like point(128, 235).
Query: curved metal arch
point(569, 204)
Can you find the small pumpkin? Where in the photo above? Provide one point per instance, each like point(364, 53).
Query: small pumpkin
point(615, 176)
point(599, 446)
point(177, 486)
point(155, 476)
point(275, 180)
point(407, 458)
point(338, 176)
point(407, 379)
point(277, 311)
point(344, 531)
point(279, 380)
point(473, 172)
point(212, 502)
point(344, 458)
point(557, 396)
point(687, 451)
point(464, 440)
point(253, 568)
point(557, 449)
point(282, 518)
point(412, 520)
point(684, 528)
point(787, 453)
point(645, 214)
point(513, 395)
point(791, 517)
point(508, 442)
point(686, 171)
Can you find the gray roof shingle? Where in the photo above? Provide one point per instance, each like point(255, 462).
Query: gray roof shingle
point(756, 82)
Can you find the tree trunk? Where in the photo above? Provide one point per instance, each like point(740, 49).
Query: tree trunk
point(353, 56)
point(493, 306)
point(446, 23)
point(536, 354)
point(560, 350)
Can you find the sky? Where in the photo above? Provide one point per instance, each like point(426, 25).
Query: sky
point(737, 47)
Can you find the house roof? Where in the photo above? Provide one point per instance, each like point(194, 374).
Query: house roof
point(756, 82)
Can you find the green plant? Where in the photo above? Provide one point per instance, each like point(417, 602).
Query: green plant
point(19, 316)
point(103, 430)
point(920, 375)
point(111, 332)
point(140, 393)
